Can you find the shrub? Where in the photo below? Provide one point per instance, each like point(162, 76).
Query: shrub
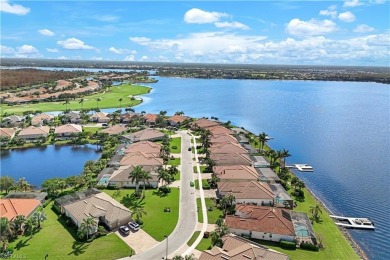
point(287, 244)
point(164, 189)
point(206, 186)
point(309, 246)
point(174, 147)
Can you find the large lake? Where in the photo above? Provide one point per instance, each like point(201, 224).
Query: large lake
point(41, 163)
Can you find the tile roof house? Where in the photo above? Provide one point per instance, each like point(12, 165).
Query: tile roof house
point(7, 132)
point(41, 119)
point(100, 117)
point(250, 192)
point(115, 130)
point(227, 147)
point(218, 129)
point(74, 117)
point(176, 120)
point(222, 138)
point(236, 173)
point(231, 159)
point(121, 177)
point(140, 158)
point(203, 123)
point(33, 132)
point(67, 130)
point(13, 120)
point(144, 146)
point(150, 119)
point(128, 117)
point(10, 208)
point(144, 135)
point(265, 223)
point(95, 204)
point(238, 248)
point(268, 175)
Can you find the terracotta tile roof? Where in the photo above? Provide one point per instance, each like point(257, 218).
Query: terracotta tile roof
point(115, 130)
point(16, 100)
point(227, 147)
point(140, 158)
point(261, 219)
point(222, 138)
point(122, 174)
point(238, 248)
point(236, 172)
point(231, 159)
point(10, 208)
point(68, 128)
point(100, 115)
point(7, 132)
point(144, 135)
point(34, 130)
point(150, 118)
point(217, 130)
point(246, 190)
point(177, 118)
point(38, 119)
point(204, 123)
point(144, 146)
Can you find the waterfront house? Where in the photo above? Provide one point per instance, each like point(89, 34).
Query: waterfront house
point(13, 121)
point(140, 158)
point(222, 138)
point(268, 175)
point(218, 130)
point(100, 117)
point(93, 203)
point(115, 130)
point(32, 133)
point(236, 173)
point(68, 130)
point(120, 177)
point(238, 248)
point(231, 159)
point(143, 135)
point(12, 207)
point(128, 117)
point(40, 196)
point(227, 147)
point(265, 223)
point(249, 192)
point(7, 133)
point(144, 146)
point(203, 123)
point(41, 119)
point(150, 119)
point(176, 120)
point(74, 117)
point(242, 139)
point(282, 198)
point(260, 162)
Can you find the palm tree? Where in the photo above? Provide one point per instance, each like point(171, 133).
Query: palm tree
point(19, 221)
point(285, 154)
point(136, 175)
point(294, 182)
point(180, 113)
point(227, 202)
point(216, 239)
point(6, 229)
point(173, 171)
point(137, 210)
point(205, 137)
point(120, 102)
point(30, 225)
point(23, 185)
point(316, 211)
point(164, 175)
point(88, 226)
point(66, 104)
point(82, 103)
point(39, 216)
point(145, 179)
point(97, 102)
point(300, 185)
point(262, 140)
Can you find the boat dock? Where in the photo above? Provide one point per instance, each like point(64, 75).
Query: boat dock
point(351, 222)
point(301, 167)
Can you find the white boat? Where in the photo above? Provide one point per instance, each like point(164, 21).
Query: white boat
point(304, 167)
point(350, 222)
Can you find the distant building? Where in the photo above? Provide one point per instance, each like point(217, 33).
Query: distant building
point(12, 207)
point(32, 133)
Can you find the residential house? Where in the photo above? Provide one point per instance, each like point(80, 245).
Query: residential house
point(222, 138)
point(150, 119)
point(260, 162)
point(242, 139)
point(218, 130)
point(227, 147)
point(238, 130)
point(7, 133)
point(120, 177)
point(203, 123)
point(249, 192)
point(268, 175)
point(74, 117)
point(115, 130)
point(238, 248)
point(13, 121)
point(144, 146)
point(68, 130)
point(40, 196)
point(93, 203)
point(265, 223)
point(140, 158)
point(128, 117)
point(41, 119)
point(143, 135)
point(176, 120)
point(282, 198)
point(231, 159)
point(236, 173)
point(32, 133)
point(100, 117)
point(12, 207)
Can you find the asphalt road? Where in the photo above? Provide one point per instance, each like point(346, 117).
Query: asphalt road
point(187, 212)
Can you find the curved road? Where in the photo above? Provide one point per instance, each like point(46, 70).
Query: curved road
point(187, 212)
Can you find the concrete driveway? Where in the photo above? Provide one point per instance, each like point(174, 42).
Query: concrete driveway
point(140, 241)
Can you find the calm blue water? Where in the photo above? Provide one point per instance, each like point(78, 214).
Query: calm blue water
point(340, 128)
point(39, 164)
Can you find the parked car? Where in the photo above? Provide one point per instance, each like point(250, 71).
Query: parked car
point(124, 230)
point(192, 184)
point(189, 149)
point(134, 225)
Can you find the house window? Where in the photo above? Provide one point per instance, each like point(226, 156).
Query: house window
point(270, 235)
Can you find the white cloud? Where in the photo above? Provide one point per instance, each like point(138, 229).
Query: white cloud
point(46, 32)
point(24, 51)
point(144, 58)
point(351, 3)
point(6, 50)
point(199, 16)
point(121, 51)
point(309, 28)
point(363, 28)
point(140, 40)
point(13, 8)
point(331, 13)
point(52, 50)
point(107, 18)
point(62, 58)
point(96, 58)
point(232, 25)
point(114, 50)
point(129, 58)
point(347, 17)
point(74, 44)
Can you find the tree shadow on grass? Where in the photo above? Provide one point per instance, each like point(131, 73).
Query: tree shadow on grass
point(79, 248)
point(21, 244)
point(160, 193)
point(129, 200)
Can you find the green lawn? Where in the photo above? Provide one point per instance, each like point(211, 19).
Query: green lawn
point(175, 161)
point(177, 143)
point(213, 215)
point(336, 246)
point(204, 182)
point(109, 99)
point(56, 240)
point(157, 223)
point(204, 244)
point(202, 168)
point(91, 130)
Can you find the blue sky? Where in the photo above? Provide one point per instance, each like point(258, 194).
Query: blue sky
point(352, 32)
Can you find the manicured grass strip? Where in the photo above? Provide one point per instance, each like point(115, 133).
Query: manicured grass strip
point(177, 176)
point(175, 142)
point(58, 240)
point(193, 238)
point(175, 161)
point(202, 168)
point(204, 182)
point(200, 212)
point(212, 215)
point(204, 244)
point(92, 130)
point(109, 99)
point(336, 246)
point(157, 223)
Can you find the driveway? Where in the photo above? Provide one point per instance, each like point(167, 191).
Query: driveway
point(140, 241)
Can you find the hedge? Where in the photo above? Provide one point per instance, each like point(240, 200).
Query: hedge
point(309, 246)
point(287, 244)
